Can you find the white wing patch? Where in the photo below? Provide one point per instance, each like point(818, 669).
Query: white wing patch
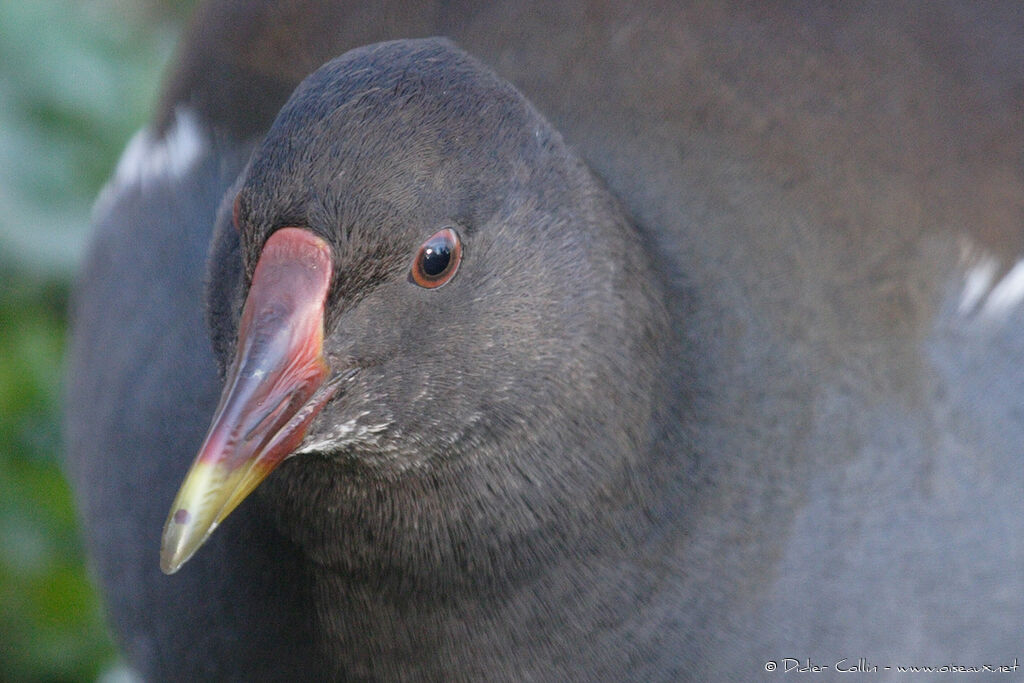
point(1007, 294)
point(991, 291)
point(147, 159)
point(977, 284)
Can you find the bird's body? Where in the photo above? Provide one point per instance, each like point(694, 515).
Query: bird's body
point(748, 392)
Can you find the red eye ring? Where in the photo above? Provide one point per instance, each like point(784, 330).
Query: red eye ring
point(437, 259)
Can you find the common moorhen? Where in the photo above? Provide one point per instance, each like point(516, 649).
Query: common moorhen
point(725, 381)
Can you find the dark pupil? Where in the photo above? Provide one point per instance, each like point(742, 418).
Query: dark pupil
point(436, 255)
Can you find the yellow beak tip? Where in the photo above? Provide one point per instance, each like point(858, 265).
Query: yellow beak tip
point(178, 536)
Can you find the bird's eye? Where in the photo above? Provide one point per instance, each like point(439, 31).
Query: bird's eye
point(437, 259)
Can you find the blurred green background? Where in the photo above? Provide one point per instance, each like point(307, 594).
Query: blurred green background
point(76, 80)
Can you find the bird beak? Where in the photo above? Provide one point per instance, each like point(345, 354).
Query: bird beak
point(274, 389)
